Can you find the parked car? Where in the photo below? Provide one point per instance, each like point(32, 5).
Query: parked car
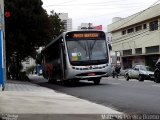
point(140, 72)
point(157, 72)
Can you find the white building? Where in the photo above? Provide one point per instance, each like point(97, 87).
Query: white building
point(28, 63)
point(85, 26)
point(89, 26)
point(137, 37)
point(67, 21)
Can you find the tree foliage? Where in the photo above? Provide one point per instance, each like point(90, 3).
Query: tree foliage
point(28, 27)
point(57, 26)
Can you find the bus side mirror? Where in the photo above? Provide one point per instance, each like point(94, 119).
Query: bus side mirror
point(110, 47)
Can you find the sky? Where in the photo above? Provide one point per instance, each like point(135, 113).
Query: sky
point(98, 12)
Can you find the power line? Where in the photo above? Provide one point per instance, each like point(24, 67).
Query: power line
point(60, 3)
point(93, 4)
point(105, 7)
point(103, 15)
point(139, 35)
point(131, 37)
point(137, 15)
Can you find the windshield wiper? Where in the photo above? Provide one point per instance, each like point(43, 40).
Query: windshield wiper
point(92, 46)
point(83, 46)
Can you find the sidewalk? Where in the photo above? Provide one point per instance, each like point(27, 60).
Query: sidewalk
point(28, 98)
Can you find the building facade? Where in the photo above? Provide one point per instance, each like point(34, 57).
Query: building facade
point(66, 21)
point(137, 37)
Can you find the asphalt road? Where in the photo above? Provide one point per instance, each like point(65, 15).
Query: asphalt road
point(131, 97)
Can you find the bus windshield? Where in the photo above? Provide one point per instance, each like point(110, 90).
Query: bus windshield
point(87, 50)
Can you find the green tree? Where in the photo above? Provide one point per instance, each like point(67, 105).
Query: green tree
point(57, 26)
point(28, 27)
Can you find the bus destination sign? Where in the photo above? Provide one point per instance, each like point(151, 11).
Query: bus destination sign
point(85, 35)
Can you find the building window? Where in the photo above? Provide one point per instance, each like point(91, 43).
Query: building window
point(127, 52)
point(144, 26)
point(123, 32)
point(138, 50)
point(130, 30)
point(152, 49)
point(153, 25)
point(138, 28)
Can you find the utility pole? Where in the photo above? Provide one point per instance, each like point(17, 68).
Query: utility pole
point(2, 47)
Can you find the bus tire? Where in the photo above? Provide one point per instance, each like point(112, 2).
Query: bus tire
point(96, 80)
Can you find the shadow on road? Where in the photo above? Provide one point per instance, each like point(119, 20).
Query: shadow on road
point(70, 84)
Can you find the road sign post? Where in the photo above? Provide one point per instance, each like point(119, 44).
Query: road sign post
point(2, 55)
point(1, 62)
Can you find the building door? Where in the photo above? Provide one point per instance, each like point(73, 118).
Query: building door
point(127, 62)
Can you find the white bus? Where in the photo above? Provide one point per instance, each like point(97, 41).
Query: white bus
point(77, 55)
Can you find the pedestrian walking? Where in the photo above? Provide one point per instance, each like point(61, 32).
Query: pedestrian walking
point(117, 70)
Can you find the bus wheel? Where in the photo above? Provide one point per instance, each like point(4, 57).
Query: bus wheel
point(96, 80)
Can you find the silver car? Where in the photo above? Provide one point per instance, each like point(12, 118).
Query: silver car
point(140, 72)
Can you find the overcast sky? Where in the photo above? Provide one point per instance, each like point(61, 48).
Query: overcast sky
point(98, 12)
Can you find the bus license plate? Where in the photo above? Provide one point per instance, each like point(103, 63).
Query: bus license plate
point(91, 74)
